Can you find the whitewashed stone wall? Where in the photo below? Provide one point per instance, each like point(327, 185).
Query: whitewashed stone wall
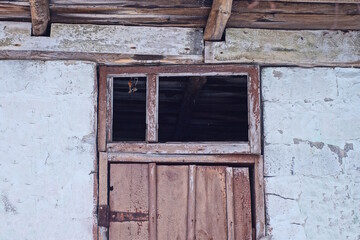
point(47, 149)
point(312, 153)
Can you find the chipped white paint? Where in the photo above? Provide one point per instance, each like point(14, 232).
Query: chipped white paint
point(305, 48)
point(47, 149)
point(82, 38)
point(312, 152)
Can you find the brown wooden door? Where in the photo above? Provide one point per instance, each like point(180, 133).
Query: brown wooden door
point(165, 202)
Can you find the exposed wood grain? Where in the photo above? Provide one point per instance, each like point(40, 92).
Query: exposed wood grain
point(259, 197)
point(180, 148)
point(102, 110)
point(211, 220)
point(230, 203)
point(102, 233)
point(254, 111)
point(40, 16)
point(152, 202)
point(302, 48)
point(162, 158)
point(193, 89)
point(107, 44)
point(130, 184)
point(296, 21)
point(152, 93)
point(218, 17)
point(109, 109)
point(172, 197)
point(191, 204)
point(316, 14)
point(104, 58)
point(103, 179)
point(242, 204)
point(190, 70)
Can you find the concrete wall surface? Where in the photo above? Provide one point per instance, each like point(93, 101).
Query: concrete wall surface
point(47, 149)
point(312, 153)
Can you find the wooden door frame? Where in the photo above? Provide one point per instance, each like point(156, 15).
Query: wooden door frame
point(234, 153)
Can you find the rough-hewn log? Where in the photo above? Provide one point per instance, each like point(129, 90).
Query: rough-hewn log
point(302, 48)
point(40, 16)
point(193, 13)
point(218, 17)
point(103, 44)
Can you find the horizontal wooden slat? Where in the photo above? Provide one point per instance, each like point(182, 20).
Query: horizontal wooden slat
point(295, 14)
point(294, 21)
point(180, 148)
point(305, 48)
point(159, 158)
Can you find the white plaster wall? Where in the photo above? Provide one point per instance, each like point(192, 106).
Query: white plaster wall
point(47, 149)
point(312, 153)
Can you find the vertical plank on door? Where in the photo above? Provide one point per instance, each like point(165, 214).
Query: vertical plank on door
point(172, 192)
point(129, 194)
point(152, 202)
point(191, 203)
point(242, 204)
point(211, 221)
point(230, 203)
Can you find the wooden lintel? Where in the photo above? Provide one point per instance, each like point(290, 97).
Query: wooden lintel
point(218, 17)
point(40, 16)
point(194, 86)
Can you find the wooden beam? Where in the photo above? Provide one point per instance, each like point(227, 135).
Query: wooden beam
point(40, 16)
point(300, 48)
point(194, 86)
point(218, 17)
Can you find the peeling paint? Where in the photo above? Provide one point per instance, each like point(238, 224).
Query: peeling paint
point(318, 145)
point(341, 153)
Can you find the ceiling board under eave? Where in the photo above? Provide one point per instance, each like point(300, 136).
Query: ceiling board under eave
point(193, 13)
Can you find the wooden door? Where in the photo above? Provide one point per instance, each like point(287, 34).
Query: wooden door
point(175, 202)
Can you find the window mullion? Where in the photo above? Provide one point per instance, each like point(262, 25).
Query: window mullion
point(152, 95)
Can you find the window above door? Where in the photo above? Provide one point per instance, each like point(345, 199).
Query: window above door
point(180, 109)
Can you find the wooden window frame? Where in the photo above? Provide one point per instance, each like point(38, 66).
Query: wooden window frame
point(227, 153)
point(107, 73)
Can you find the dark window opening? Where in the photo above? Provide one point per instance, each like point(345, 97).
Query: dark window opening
point(203, 108)
point(129, 109)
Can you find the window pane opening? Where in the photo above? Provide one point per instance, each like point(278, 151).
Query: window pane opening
point(203, 108)
point(129, 109)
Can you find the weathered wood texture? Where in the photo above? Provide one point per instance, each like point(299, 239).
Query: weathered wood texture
point(103, 179)
point(180, 148)
point(152, 88)
point(181, 158)
point(189, 202)
point(218, 17)
point(102, 112)
point(130, 184)
point(103, 44)
point(40, 16)
point(259, 197)
point(172, 201)
point(192, 13)
point(242, 203)
point(304, 48)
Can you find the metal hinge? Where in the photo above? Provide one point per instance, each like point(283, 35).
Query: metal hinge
point(103, 216)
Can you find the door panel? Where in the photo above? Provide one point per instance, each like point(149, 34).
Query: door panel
point(210, 215)
point(172, 197)
point(192, 202)
point(129, 201)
